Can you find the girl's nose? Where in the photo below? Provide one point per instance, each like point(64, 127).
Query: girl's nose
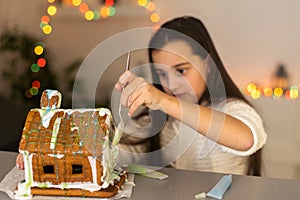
point(173, 82)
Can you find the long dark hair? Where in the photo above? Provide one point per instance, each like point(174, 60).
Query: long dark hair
point(193, 31)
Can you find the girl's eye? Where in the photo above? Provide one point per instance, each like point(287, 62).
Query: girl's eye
point(181, 71)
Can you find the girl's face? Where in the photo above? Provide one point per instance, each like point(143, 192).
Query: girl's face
point(182, 76)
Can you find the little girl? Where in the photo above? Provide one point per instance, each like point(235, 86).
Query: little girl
point(192, 87)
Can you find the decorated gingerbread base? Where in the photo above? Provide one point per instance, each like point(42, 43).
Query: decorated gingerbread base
point(104, 193)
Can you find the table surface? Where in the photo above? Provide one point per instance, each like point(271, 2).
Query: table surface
point(183, 185)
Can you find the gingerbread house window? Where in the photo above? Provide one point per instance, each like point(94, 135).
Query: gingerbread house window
point(48, 169)
point(76, 169)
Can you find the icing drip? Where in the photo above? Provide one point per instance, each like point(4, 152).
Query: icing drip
point(46, 116)
point(109, 162)
point(55, 132)
point(94, 170)
point(24, 188)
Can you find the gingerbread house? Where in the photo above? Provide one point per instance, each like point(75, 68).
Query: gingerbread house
point(67, 152)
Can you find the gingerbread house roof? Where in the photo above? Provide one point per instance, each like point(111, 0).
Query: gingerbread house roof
point(51, 130)
point(68, 132)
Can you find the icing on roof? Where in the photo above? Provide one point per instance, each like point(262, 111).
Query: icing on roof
point(66, 131)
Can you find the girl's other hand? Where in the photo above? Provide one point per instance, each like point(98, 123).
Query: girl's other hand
point(20, 161)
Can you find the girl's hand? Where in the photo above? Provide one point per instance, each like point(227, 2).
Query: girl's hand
point(19, 161)
point(136, 92)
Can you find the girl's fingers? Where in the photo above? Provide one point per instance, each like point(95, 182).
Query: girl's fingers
point(126, 78)
point(130, 89)
point(19, 161)
point(135, 101)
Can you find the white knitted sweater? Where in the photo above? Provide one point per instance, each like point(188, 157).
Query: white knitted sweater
point(184, 148)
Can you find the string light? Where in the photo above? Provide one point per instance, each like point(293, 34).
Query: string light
point(89, 15)
point(256, 92)
point(268, 91)
point(143, 3)
point(76, 2)
point(45, 19)
point(47, 29)
point(41, 62)
point(36, 84)
point(109, 3)
point(38, 50)
point(51, 10)
point(96, 15)
point(84, 7)
point(34, 91)
point(155, 17)
point(104, 11)
point(151, 6)
point(35, 68)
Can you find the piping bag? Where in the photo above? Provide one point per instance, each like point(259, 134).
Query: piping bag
point(218, 190)
point(118, 132)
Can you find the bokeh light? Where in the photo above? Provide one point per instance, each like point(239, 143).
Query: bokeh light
point(250, 88)
point(89, 15)
point(45, 19)
point(96, 15)
point(34, 91)
point(38, 50)
point(35, 68)
point(84, 7)
point(109, 3)
point(155, 17)
point(151, 6)
point(47, 29)
point(268, 91)
point(278, 92)
point(143, 2)
point(103, 12)
point(28, 94)
point(76, 2)
point(294, 92)
point(255, 94)
point(41, 62)
point(36, 84)
point(51, 10)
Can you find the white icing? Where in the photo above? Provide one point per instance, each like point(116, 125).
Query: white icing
point(56, 155)
point(55, 132)
point(24, 189)
point(72, 185)
point(109, 158)
point(23, 192)
point(46, 116)
point(94, 170)
point(104, 111)
point(74, 128)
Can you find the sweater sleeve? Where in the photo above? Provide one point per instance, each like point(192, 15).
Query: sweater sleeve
point(251, 118)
